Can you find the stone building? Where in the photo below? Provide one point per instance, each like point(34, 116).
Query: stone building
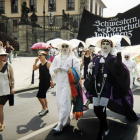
point(52, 27)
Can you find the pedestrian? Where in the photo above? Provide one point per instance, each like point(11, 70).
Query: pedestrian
point(45, 81)
point(131, 64)
point(60, 68)
point(110, 87)
point(49, 56)
point(9, 50)
point(1, 45)
point(85, 61)
point(6, 85)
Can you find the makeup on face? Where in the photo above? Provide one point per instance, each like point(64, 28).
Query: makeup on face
point(126, 57)
point(105, 46)
point(65, 49)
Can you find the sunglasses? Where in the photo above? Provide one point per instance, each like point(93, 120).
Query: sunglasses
point(126, 57)
point(65, 46)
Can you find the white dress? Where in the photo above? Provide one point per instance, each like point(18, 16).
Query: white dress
point(63, 94)
point(131, 64)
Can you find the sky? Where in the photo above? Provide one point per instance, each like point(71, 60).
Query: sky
point(118, 6)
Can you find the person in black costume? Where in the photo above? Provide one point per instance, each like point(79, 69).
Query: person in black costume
point(45, 81)
point(85, 61)
point(110, 88)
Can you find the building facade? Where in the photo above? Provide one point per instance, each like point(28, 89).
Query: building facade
point(50, 22)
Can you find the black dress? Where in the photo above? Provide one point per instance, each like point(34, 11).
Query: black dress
point(44, 82)
point(86, 62)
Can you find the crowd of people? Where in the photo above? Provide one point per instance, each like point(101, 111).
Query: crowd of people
point(112, 81)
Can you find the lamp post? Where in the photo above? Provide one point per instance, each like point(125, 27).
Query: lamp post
point(44, 18)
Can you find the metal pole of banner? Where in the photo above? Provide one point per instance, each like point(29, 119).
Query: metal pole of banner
point(44, 18)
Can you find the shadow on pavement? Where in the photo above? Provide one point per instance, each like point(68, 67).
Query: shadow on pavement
point(53, 93)
point(119, 128)
point(35, 123)
point(28, 95)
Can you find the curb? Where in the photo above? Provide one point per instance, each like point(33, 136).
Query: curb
point(27, 89)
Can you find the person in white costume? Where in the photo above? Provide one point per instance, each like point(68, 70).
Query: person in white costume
point(131, 64)
point(60, 67)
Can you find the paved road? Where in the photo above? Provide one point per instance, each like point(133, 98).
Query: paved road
point(22, 121)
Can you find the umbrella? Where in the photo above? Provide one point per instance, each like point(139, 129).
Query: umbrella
point(96, 41)
point(39, 45)
point(54, 42)
point(124, 40)
point(75, 43)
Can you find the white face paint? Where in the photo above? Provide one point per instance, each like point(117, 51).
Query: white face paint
point(65, 49)
point(106, 46)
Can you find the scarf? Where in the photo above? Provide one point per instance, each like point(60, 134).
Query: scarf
point(48, 56)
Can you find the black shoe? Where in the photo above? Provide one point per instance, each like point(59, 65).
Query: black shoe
point(107, 128)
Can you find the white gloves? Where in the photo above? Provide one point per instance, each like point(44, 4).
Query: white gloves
point(118, 46)
point(60, 69)
point(90, 66)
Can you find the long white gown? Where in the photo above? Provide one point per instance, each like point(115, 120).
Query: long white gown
point(63, 94)
point(131, 64)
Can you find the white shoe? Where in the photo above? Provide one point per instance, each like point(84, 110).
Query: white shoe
point(40, 111)
point(44, 112)
point(58, 128)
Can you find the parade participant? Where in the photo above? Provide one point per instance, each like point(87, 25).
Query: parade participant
point(85, 61)
point(6, 85)
point(8, 50)
point(45, 81)
point(49, 56)
point(110, 86)
point(60, 66)
point(131, 64)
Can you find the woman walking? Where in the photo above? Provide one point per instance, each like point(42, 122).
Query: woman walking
point(45, 81)
point(85, 61)
point(6, 85)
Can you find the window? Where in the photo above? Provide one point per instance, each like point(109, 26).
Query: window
point(2, 7)
point(32, 5)
point(14, 6)
point(91, 3)
point(71, 5)
point(15, 25)
point(95, 8)
point(100, 11)
point(52, 5)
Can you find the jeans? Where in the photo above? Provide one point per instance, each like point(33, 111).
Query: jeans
point(9, 56)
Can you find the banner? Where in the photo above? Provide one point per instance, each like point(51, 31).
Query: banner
point(127, 24)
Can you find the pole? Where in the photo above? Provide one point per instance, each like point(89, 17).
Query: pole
point(44, 19)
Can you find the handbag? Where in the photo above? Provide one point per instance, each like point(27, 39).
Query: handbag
point(10, 97)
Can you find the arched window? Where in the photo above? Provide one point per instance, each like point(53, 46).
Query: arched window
point(14, 6)
point(32, 5)
point(100, 11)
point(96, 8)
point(70, 4)
point(91, 3)
point(1, 6)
